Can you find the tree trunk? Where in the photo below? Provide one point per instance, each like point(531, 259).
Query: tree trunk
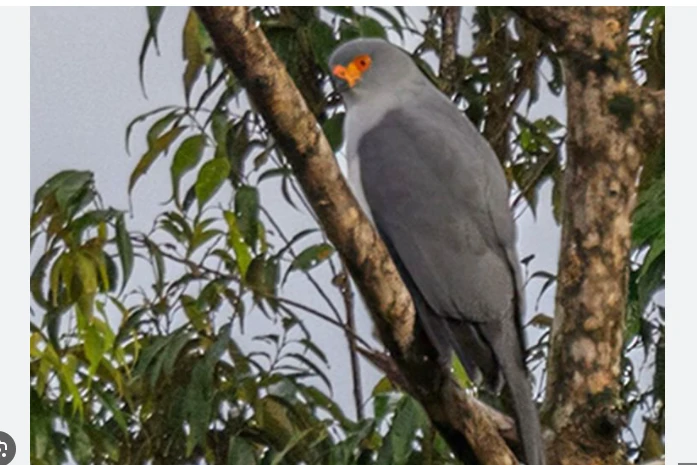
point(607, 116)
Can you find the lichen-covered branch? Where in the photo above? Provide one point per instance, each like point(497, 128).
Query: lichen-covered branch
point(244, 48)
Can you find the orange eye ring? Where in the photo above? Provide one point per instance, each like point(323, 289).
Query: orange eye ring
point(362, 62)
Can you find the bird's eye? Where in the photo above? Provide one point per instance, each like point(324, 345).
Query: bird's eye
point(363, 62)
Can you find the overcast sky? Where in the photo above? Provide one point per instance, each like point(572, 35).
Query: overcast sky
point(85, 90)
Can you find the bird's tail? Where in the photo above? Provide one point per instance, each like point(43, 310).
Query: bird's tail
point(506, 343)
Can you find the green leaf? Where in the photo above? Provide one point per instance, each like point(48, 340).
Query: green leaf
point(154, 346)
point(657, 250)
point(333, 130)
point(312, 256)
point(648, 219)
point(66, 182)
point(170, 355)
point(460, 374)
point(293, 240)
point(247, 213)
point(40, 428)
point(210, 178)
point(198, 405)
point(262, 276)
point(140, 119)
point(313, 367)
point(94, 347)
point(112, 404)
point(240, 452)
point(159, 146)
point(273, 172)
point(195, 314)
point(154, 16)
point(157, 260)
point(159, 126)
point(294, 441)
point(187, 156)
point(125, 249)
point(384, 404)
point(200, 238)
point(370, 27)
point(80, 443)
point(397, 445)
point(37, 278)
point(242, 254)
point(326, 402)
point(312, 347)
point(193, 51)
point(383, 386)
point(92, 218)
point(346, 11)
point(86, 274)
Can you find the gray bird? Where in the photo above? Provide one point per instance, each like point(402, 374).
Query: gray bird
point(436, 193)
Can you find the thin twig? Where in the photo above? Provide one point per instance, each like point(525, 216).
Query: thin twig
point(307, 273)
point(344, 284)
point(312, 311)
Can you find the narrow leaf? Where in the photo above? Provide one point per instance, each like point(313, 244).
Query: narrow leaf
point(125, 249)
point(187, 156)
point(154, 16)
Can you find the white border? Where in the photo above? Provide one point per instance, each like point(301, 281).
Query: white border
point(14, 229)
point(681, 256)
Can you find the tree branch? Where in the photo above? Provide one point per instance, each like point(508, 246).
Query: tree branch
point(341, 280)
point(568, 28)
point(243, 46)
point(504, 424)
point(450, 26)
point(553, 21)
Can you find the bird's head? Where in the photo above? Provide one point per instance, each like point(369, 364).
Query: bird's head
point(365, 68)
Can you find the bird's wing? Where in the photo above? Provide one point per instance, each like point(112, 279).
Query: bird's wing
point(436, 193)
point(439, 198)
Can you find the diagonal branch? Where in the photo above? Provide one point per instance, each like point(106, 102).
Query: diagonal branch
point(244, 48)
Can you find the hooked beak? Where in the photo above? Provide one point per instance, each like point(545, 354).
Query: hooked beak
point(347, 76)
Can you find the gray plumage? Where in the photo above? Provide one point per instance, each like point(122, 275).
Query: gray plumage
point(438, 197)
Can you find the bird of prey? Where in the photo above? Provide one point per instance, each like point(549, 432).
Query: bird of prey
point(436, 193)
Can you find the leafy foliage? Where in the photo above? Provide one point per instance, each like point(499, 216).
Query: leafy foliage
point(155, 371)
